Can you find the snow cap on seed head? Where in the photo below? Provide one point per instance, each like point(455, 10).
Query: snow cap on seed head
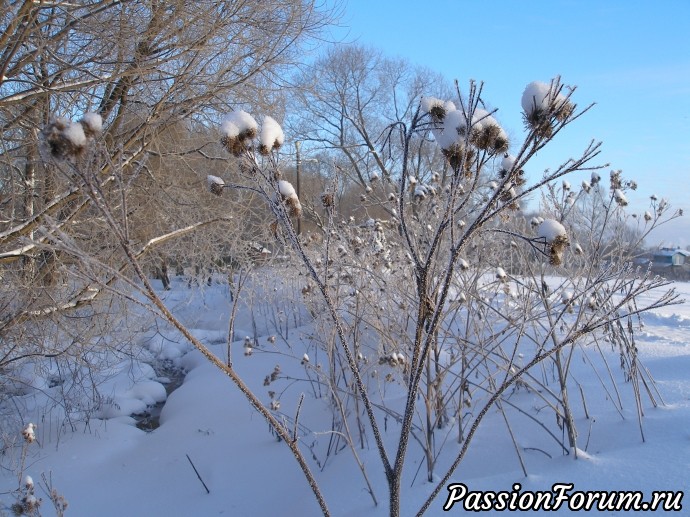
point(272, 136)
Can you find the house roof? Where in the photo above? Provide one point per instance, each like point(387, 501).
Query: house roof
point(668, 252)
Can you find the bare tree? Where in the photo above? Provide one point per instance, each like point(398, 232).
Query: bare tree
point(125, 90)
point(346, 101)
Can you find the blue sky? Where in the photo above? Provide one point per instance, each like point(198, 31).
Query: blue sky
point(631, 58)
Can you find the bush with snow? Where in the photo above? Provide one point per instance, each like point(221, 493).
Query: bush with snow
point(415, 332)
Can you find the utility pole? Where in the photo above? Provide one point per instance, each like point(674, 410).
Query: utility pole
point(299, 219)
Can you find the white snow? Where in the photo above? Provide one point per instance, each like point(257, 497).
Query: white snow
point(112, 468)
point(229, 128)
point(428, 103)
point(535, 97)
point(238, 122)
point(508, 162)
point(74, 132)
point(482, 119)
point(550, 230)
point(271, 133)
point(93, 121)
point(286, 189)
point(29, 432)
point(214, 180)
point(620, 198)
point(539, 96)
point(454, 130)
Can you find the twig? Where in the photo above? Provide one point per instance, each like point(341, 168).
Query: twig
point(197, 474)
point(584, 401)
point(299, 407)
point(538, 450)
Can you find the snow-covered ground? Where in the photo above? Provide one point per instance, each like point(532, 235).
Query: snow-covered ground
point(111, 468)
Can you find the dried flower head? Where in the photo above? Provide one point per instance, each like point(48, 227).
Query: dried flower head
point(555, 237)
point(434, 107)
point(272, 136)
point(327, 199)
point(556, 250)
point(488, 135)
point(620, 198)
point(460, 158)
point(543, 104)
point(28, 433)
point(289, 197)
point(65, 139)
point(238, 129)
point(92, 124)
point(294, 206)
point(215, 184)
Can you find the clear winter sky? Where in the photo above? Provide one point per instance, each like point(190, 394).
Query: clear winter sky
point(631, 57)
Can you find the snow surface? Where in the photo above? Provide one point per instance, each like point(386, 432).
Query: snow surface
point(111, 468)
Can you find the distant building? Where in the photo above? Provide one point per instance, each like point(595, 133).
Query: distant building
point(670, 262)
